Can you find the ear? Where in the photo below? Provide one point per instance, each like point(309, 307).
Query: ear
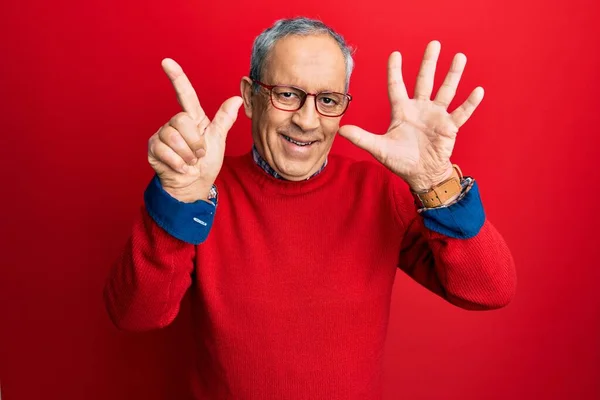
point(246, 89)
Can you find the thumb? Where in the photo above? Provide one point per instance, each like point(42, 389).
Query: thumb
point(361, 138)
point(227, 115)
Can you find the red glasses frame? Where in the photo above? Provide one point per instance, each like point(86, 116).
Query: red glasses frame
point(271, 87)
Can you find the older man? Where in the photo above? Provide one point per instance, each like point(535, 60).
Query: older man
point(291, 290)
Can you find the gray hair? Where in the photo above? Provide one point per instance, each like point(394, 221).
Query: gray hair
point(300, 26)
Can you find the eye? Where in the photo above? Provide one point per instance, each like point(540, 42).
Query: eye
point(286, 93)
point(328, 101)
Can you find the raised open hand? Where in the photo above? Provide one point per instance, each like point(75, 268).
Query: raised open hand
point(187, 152)
point(422, 133)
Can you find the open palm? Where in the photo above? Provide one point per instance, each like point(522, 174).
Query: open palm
point(422, 133)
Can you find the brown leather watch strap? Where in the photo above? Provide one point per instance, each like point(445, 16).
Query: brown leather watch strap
point(440, 194)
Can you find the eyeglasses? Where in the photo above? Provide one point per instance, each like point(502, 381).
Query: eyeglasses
point(291, 98)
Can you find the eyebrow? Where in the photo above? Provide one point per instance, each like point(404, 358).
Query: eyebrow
point(319, 90)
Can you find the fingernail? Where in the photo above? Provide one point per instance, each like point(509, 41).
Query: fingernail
point(183, 169)
point(194, 161)
point(200, 153)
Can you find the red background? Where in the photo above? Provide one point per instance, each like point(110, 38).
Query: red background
point(82, 90)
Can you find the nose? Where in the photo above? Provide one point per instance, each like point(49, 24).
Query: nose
point(307, 118)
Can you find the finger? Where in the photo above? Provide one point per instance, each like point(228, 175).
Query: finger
point(361, 138)
point(424, 84)
point(396, 88)
point(466, 109)
point(173, 139)
point(169, 157)
point(226, 116)
point(190, 131)
point(448, 89)
point(201, 129)
point(186, 95)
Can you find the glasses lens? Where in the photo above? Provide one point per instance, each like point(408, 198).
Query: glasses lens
point(332, 103)
point(287, 98)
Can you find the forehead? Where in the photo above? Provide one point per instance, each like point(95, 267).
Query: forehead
point(314, 63)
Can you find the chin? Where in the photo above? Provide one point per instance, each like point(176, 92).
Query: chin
point(294, 170)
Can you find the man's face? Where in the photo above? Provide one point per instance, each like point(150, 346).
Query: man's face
point(312, 63)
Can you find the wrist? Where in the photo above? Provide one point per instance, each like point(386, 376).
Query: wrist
point(440, 194)
point(191, 193)
point(423, 184)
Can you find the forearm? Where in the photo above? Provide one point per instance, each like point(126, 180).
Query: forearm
point(147, 283)
point(476, 273)
point(456, 253)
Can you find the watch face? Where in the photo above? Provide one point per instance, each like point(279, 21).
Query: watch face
point(213, 193)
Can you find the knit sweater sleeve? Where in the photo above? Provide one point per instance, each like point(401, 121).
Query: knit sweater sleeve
point(148, 281)
point(473, 271)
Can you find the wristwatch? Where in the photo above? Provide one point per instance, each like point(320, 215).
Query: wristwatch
point(439, 194)
point(213, 194)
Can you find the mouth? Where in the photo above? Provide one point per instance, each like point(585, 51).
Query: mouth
point(298, 142)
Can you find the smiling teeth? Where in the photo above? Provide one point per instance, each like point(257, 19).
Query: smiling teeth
point(289, 139)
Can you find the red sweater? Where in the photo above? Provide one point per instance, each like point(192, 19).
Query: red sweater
point(291, 290)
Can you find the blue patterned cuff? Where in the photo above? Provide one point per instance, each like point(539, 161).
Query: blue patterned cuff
point(190, 222)
point(461, 220)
